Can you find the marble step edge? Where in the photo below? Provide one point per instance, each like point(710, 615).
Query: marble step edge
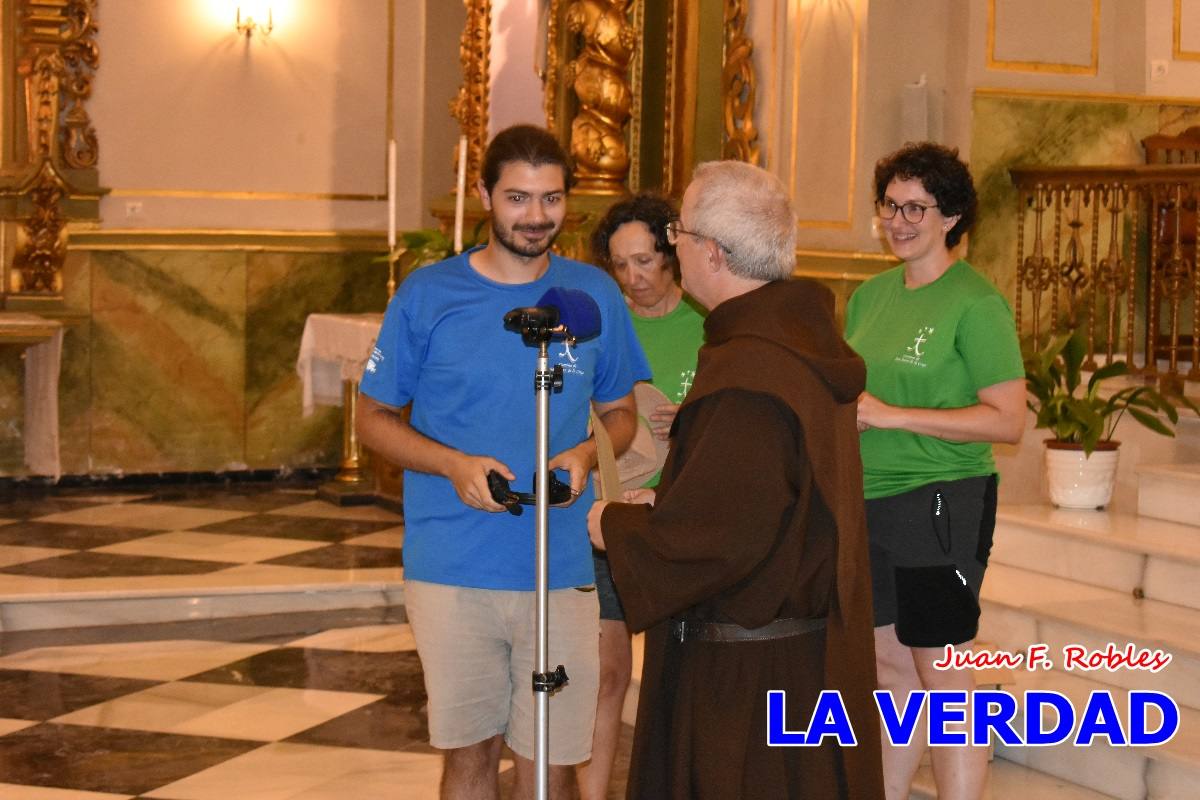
point(1083, 606)
point(42, 612)
point(1183, 749)
point(117, 592)
point(1008, 779)
point(1186, 472)
point(1111, 529)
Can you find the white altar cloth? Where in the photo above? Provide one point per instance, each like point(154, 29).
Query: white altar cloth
point(334, 348)
point(43, 340)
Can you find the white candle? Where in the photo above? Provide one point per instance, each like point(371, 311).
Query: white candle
point(462, 193)
point(391, 194)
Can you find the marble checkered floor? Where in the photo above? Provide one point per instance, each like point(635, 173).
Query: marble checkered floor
point(304, 705)
point(311, 706)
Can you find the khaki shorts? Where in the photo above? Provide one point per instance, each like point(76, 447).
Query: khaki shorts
point(477, 653)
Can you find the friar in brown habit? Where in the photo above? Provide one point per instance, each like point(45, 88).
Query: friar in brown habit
point(748, 567)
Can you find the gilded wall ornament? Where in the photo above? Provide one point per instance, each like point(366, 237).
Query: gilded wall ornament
point(470, 107)
point(41, 240)
point(599, 76)
point(739, 85)
point(56, 63)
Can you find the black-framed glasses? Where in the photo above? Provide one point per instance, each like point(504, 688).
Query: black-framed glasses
point(674, 230)
point(912, 212)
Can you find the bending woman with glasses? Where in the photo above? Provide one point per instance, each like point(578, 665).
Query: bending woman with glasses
point(635, 243)
point(944, 381)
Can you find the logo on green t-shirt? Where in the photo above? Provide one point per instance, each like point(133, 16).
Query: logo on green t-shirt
point(914, 354)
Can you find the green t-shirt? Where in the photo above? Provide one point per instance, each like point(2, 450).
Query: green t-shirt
point(671, 343)
point(931, 347)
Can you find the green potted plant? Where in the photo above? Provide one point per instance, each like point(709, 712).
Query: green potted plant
point(1081, 455)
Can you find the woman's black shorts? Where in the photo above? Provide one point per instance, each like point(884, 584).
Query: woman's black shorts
point(929, 549)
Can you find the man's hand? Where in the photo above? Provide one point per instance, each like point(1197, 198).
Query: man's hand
point(594, 531)
point(661, 419)
point(468, 474)
point(578, 462)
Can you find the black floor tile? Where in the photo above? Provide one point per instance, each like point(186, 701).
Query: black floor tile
point(68, 535)
point(27, 508)
point(107, 759)
point(257, 501)
point(382, 725)
point(26, 694)
point(342, 556)
point(314, 529)
point(396, 675)
point(111, 565)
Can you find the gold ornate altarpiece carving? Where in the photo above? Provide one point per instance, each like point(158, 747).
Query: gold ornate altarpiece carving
point(623, 88)
point(50, 148)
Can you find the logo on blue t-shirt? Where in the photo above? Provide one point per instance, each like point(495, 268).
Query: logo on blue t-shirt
point(569, 366)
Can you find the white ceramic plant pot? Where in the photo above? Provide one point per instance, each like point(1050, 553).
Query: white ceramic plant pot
point(1079, 481)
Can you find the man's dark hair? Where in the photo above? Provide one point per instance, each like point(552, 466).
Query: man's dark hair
point(528, 143)
point(941, 172)
point(649, 209)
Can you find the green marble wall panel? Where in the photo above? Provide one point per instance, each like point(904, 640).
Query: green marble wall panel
point(1012, 131)
point(12, 447)
point(167, 360)
point(75, 376)
point(282, 290)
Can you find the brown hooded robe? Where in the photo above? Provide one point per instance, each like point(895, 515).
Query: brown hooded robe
point(759, 516)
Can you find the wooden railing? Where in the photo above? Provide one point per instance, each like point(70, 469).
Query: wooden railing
point(1112, 248)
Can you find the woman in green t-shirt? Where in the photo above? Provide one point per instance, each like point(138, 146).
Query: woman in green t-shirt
point(631, 243)
point(944, 381)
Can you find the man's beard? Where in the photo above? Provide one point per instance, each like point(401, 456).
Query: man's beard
point(507, 237)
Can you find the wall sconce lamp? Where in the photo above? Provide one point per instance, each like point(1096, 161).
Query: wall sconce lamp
point(248, 25)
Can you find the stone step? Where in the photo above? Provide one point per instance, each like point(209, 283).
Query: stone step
point(1132, 554)
point(262, 589)
point(1170, 492)
point(1007, 780)
point(1021, 608)
point(1165, 772)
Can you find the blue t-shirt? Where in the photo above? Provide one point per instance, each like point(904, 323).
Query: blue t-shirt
point(443, 347)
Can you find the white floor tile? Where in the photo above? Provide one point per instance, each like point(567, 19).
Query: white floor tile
point(284, 771)
point(152, 516)
point(229, 548)
point(259, 713)
point(392, 537)
point(17, 554)
point(160, 660)
point(12, 791)
point(8, 726)
point(366, 639)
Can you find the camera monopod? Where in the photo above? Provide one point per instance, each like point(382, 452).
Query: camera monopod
point(565, 314)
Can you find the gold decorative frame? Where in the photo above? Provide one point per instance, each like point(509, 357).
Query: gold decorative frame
point(1177, 50)
point(53, 151)
point(1044, 66)
point(470, 107)
point(739, 86)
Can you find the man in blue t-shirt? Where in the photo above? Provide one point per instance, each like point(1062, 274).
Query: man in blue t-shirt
point(469, 567)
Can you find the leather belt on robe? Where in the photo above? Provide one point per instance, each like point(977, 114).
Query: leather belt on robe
point(690, 630)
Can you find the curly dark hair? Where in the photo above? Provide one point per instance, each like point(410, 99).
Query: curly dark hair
point(527, 143)
point(651, 210)
point(941, 172)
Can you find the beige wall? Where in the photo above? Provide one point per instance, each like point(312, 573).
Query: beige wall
point(201, 128)
point(1062, 46)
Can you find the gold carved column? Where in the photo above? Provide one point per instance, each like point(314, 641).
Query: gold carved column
point(50, 168)
point(599, 78)
point(738, 86)
point(470, 107)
